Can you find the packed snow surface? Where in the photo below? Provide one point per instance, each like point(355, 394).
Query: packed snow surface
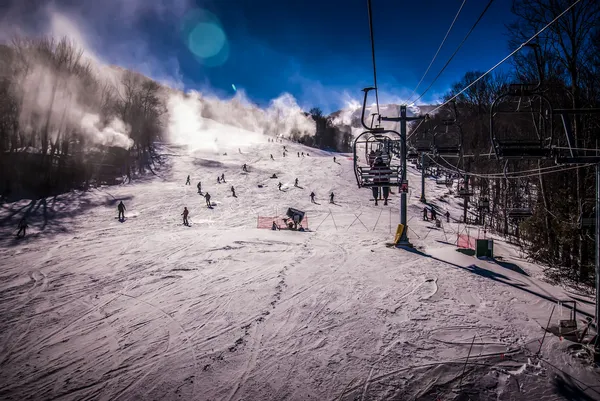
point(149, 309)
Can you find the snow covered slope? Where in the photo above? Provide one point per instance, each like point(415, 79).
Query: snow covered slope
point(149, 309)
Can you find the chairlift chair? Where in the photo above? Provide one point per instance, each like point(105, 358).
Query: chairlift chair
point(378, 142)
point(447, 143)
point(519, 213)
point(521, 124)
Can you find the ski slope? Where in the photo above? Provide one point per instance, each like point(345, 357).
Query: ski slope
point(149, 309)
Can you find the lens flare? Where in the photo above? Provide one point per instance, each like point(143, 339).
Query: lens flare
point(205, 38)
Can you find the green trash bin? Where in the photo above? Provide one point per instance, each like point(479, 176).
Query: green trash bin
point(484, 247)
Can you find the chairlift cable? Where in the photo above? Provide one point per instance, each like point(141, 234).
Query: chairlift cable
point(455, 51)
point(373, 54)
point(497, 176)
point(437, 52)
point(509, 56)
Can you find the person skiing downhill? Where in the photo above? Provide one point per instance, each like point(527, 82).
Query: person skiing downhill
point(233, 192)
point(22, 227)
point(433, 214)
point(425, 217)
point(199, 186)
point(185, 216)
point(331, 198)
point(296, 182)
point(298, 154)
point(121, 208)
point(207, 197)
point(334, 159)
point(447, 217)
point(218, 180)
point(272, 157)
point(312, 197)
point(223, 177)
point(187, 182)
point(245, 167)
point(279, 185)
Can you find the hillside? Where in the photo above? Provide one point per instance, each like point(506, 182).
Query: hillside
point(93, 308)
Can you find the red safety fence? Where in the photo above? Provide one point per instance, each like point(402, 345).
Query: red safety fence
point(267, 222)
point(465, 241)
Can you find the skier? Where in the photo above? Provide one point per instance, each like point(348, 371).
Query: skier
point(240, 150)
point(307, 154)
point(382, 178)
point(284, 153)
point(121, 208)
point(298, 154)
point(279, 185)
point(274, 227)
point(272, 157)
point(245, 168)
point(302, 154)
point(331, 198)
point(22, 227)
point(233, 192)
point(334, 159)
point(296, 182)
point(447, 217)
point(425, 214)
point(218, 180)
point(223, 177)
point(187, 182)
point(433, 214)
point(312, 197)
point(185, 216)
point(199, 186)
point(207, 197)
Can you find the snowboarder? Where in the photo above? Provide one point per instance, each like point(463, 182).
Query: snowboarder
point(223, 177)
point(185, 216)
point(218, 180)
point(121, 208)
point(207, 197)
point(272, 157)
point(279, 185)
point(425, 217)
point(22, 227)
point(233, 192)
point(296, 182)
point(433, 214)
point(312, 197)
point(245, 168)
point(447, 217)
point(331, 198)
point(187, 182)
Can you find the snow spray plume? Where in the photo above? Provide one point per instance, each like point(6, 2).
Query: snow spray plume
point(54, 83)
point(209, 123)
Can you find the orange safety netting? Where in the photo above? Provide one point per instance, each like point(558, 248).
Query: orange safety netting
point(267, 222)
point(465, 241)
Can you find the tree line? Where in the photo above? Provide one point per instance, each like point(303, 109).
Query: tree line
point(67, 123)
point(568, 67)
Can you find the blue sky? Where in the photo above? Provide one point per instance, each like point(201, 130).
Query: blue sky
point(319, 51)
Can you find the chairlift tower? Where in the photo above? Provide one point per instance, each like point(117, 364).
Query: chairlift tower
point(403, 119)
